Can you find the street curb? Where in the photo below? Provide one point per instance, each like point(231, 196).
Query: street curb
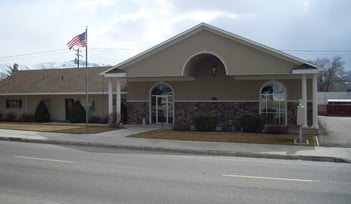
point(177, 150)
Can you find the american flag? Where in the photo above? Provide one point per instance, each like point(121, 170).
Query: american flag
point(79, 40)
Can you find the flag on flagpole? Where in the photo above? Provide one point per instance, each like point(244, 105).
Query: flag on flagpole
point(79, 40)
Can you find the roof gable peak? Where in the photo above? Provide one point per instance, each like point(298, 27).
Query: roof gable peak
point(218, 31)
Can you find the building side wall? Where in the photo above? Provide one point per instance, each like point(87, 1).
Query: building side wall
point(55, 104)
point(137, 112)
point(221, 88)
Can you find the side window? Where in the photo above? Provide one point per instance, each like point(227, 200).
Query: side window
point(14, 103)
point(273, 103)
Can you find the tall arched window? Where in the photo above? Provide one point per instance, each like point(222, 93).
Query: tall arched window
point(161, 104)
point(273, 103)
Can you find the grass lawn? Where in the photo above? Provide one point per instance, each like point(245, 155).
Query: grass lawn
point(258, 138)
point(73, 129)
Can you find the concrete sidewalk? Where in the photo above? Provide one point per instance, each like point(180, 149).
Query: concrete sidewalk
point(119, 139)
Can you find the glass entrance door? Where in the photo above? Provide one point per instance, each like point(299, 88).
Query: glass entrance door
point(162, 104)
point(160, 109)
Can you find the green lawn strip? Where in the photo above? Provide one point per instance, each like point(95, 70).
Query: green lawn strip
point(258, 138)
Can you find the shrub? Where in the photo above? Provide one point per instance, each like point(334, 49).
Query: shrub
point(41, 113)
point(78, 113)
point(104, 120)
point(276, 129)
point(10, 117)
point(252, 123)
point(95, 119)
point(182, 125)
point(26, 117)
point(205, 122)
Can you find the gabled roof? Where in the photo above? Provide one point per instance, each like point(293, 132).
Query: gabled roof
point(54, 81)
point(203, 26)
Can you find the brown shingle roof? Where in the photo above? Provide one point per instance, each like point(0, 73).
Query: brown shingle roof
point(56, 81)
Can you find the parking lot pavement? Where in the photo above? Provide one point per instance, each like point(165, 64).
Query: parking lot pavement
point(335, 131)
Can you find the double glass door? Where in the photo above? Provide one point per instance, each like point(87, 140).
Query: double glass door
point(162, 109)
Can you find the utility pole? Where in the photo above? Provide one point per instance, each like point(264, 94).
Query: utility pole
point(76, 60)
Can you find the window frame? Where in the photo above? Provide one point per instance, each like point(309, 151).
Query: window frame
point(282, 102)
point(14, 103)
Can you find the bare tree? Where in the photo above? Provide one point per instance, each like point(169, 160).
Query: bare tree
point(12, 69)
point(332, 79)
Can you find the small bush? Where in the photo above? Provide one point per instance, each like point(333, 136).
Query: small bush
point(26, 117)
point(41, 113)
point(252, 123)
point(182, 125)
point(95, 119)
point(10, 117)
point(205, 122)
point(104, 120)
point(78, 113)
point(276, 129)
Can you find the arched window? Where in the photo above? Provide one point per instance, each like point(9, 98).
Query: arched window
point(161, 104)
point(273, 103)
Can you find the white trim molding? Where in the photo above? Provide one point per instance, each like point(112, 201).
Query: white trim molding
point(58, 93)
point(137, 101)
point(305, 71)
point(118, 75)
point(214, 101)
point(265, 76)
point(161, 78)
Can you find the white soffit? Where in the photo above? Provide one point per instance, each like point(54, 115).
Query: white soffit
point(305, 71)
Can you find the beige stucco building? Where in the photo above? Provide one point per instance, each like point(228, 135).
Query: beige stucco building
point(209, 70)
point(59, 88)
point(202, 70)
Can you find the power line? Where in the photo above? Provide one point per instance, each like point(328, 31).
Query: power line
point(289, 50)
point(33, 53)
point(318, 52)
point(121, 49)
point(49, 52)
point(131, 50)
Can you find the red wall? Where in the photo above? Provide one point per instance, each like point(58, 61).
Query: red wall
point(334, 110)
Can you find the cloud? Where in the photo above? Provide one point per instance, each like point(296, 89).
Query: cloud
point(93, 5)
point(155, 21)
point(30, 26)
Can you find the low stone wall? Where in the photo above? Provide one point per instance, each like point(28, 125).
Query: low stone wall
point(137, 111)
point(229, 112)
point(292, 114)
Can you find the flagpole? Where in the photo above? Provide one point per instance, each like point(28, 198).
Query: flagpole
point(86, 83)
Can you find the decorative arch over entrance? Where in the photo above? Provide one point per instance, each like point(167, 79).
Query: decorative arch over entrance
point(161, 104)
point(207, 60)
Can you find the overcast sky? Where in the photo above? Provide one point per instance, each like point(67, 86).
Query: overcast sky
point(119, 29)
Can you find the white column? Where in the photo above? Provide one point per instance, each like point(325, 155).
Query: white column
point(304, 97)
point(26, 102)
point(314, 102)
point(110, 101)
point(118, 101)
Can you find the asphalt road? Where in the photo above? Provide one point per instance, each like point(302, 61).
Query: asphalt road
point(41, 173)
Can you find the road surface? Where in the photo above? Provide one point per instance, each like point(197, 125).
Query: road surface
point(41, 173)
